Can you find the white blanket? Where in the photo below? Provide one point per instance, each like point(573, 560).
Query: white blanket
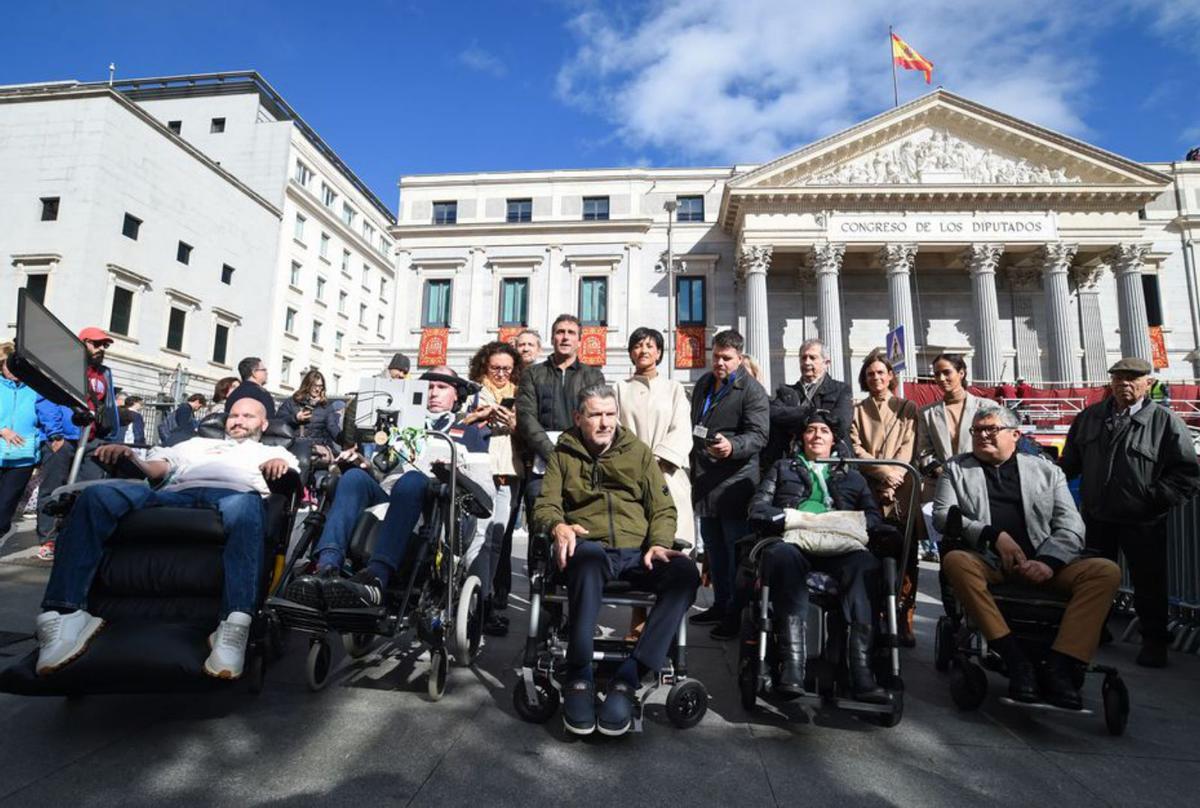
point(826, 534)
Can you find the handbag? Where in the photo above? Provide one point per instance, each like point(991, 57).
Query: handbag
point(826, 534)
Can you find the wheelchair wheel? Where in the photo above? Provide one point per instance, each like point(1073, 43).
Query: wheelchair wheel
point(468, 622)
point(318, 665)
point(358, 645)
point(748, 686)
point(544, 708)
point(893, 718)
point(256, 673)
point(276, 637)
point(439, 668)
point(1116, 703)
point(944, 642)
point(687, 702)
point(968, 684)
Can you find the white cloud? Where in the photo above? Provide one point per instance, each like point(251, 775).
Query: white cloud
point(711, 80)
point(479, 59)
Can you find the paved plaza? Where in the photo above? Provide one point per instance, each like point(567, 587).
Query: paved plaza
point(374, 738)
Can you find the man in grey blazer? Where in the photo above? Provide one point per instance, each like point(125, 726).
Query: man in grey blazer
point(1020, 525)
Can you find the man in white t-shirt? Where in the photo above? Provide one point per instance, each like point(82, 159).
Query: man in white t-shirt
point(229, 475)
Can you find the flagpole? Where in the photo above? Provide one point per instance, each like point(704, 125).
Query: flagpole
point(892, 59)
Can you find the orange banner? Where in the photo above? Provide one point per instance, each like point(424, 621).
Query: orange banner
point(1158, 347)
point(689, 347)
point(434, 342)
point(509, 333)
point(593, 345)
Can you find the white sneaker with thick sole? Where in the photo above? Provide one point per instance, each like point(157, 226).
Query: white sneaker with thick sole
point(229, 642)
point(62, 638)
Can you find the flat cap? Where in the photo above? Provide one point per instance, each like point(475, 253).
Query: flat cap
point(399, 362)
point(1132, 364)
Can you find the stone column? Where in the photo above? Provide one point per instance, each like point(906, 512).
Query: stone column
point(1131, 299)
point(982, 260)
point(898, 260)
point(1091, 322)
point(1024, 279)
point(827, 266)
point(1056, 263)
point(753, 263)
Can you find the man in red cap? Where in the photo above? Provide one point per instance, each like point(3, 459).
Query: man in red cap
point(102, 398)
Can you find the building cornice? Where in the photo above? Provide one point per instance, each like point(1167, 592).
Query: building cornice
point(455, 179)
point(517, 229)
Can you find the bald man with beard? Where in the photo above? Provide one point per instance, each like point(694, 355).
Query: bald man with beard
point(229, 475)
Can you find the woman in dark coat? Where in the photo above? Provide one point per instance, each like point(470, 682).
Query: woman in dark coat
point(309, 412)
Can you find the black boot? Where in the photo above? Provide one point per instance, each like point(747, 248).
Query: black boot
point(1022, 680)
point(792, 653)
point(1058, 682)
point(862, 681)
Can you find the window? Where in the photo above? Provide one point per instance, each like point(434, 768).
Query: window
point(294, 278)
point(285, 370)
point(445, 212)
point(593, 301)
point(131, 226)
point(520, 210)
point(183, 253)
point(347, 214)
point(383, 287)
point(595, 208)
point(368, 232)
point(175, 323)
point(298, 232)
point(227, 274)
point(220, 343)
point(175, 126)
point(316, 332)
point(342, 296)
point(303, 174)
point(362, 314)
point(49, 208)
point(338, 336)
point(35, 286)
point(324, 250)
point(514, 301)
point(346, 261)
point(1153, 300)
point(122, 309)
point(337, 383)
point(689, 298)
point(379, 324)
point(217, 126)
point(435, 310)
point(384, 247)
point(320, 288)
point(366, 276)
point(289, 321)
point(328, 196)
point(691, 209)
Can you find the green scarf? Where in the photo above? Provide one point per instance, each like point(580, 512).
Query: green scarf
point(818, 500)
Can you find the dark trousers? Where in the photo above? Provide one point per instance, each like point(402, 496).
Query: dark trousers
point(674, 583)
point(12, 487)
point(55, 468)
point(502, 583)
point(1145, 548)
point(786, 568)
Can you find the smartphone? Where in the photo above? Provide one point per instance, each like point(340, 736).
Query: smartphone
point(713, 439)
point(508, 403)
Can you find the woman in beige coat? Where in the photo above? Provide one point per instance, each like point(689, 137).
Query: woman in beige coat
point(885, 428)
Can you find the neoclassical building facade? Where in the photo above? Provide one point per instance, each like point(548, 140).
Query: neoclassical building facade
point(1037, 255)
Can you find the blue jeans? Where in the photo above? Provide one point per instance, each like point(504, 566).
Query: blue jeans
point(80, 544)
point(720, 537)
point(358, 491)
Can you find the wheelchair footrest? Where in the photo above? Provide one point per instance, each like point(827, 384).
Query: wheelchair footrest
point(297, 616)
point(1043, 707)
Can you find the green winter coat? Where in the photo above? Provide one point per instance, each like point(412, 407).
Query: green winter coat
point(620, 497)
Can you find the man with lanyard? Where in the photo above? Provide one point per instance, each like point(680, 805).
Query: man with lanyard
point(1136, 461)
point(546, 400)
point(815, 390)
point(731, 419)
point(403, 486)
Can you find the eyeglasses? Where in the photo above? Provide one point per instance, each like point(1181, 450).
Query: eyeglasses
point(500, 369)
point(989, 431)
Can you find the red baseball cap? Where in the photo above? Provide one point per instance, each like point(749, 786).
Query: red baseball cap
point(94, 334)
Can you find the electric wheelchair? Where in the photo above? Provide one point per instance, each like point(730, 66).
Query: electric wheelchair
point(159, 589)
point(537, 693)
point(826, 668)
point(430, 594)
point(1033, 614)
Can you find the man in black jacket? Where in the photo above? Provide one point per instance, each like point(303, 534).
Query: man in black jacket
point(730, 417)
point(253, 372)
point(1137, 462)
point(546, 400)
point(815, 390)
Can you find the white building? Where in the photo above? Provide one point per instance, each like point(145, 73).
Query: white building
point(1037, 255)
point(197, 219)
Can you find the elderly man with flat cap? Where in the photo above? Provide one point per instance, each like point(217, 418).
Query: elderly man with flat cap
point(1136, 461)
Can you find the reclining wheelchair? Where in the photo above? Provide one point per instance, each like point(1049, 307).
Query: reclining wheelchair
point(1033, 614)
point(159, 589)
point(826, 668)
point(537, 693)
point(431, 593)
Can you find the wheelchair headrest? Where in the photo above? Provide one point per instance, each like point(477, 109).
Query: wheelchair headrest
point(278, 433)
point(212, 426)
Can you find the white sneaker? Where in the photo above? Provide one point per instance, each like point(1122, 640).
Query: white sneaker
point(229, 647)
point(63, 638)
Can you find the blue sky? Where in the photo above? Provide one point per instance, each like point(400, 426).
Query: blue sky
point(407, 87)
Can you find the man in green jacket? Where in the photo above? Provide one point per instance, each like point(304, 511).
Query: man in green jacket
point(606, 505)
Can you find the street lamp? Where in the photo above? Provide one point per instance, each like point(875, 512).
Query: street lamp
point(669, 206)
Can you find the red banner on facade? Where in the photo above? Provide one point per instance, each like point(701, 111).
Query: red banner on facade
point(1158, 347)
point(593, 345)
point(509, 333)
point(434, 342)
point(689, 347)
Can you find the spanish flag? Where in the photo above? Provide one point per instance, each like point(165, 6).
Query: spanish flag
point(909, 59)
